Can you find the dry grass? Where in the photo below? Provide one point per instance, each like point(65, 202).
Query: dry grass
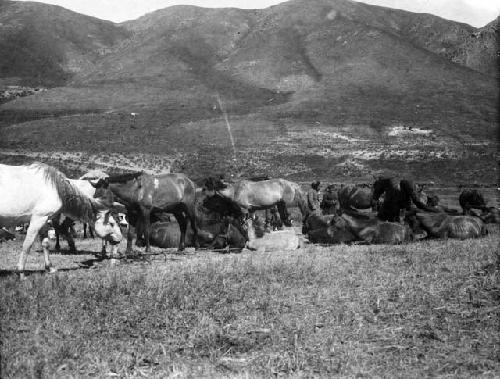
point(424, 309)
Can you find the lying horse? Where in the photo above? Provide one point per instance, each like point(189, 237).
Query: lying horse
point(250, 196)
point(215, 236)
point(142, 193)
point(441, 225)
point(36, 193)
point(352, 226)
point(353, 197)
point(373, 231)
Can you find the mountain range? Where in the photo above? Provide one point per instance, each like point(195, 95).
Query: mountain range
point(296, 67)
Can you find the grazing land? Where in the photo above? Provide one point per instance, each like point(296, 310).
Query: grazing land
point(423, 309)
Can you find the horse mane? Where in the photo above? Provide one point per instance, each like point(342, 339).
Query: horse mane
point(123, 178)
point(75, 202)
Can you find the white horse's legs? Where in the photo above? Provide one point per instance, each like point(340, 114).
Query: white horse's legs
point(36, 224)
point(48, 264)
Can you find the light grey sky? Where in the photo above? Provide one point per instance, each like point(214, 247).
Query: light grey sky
point(473, 12)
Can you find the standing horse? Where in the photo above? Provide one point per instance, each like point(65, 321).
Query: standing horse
point(36, 193)
point(397, 197)
point(471, 199)
point(65, 227)
point(94, 176)
point(142, 194)
point(250, 196)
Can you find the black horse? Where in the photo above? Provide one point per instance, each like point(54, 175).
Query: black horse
point(471, 199)
point(398, 198)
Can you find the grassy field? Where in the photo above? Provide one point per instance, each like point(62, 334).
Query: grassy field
point(418, 310)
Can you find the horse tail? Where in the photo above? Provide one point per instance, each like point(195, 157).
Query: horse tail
point(301, 202)
point(74, 202)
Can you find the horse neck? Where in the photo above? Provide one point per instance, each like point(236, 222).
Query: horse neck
point(352, 223)
point(124, 191)
point(227, 192)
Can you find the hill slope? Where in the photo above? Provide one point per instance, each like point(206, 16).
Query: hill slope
point(311, 88)
point(45, 44)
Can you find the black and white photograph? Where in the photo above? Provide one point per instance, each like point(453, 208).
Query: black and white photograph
point(249, 189)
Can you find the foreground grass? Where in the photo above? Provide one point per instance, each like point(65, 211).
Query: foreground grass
point(425, 309)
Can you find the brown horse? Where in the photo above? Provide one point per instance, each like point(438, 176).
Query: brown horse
point(442, 225)
point(143, 193)
point(372, 230)
point(251, 196)
point(353, 197)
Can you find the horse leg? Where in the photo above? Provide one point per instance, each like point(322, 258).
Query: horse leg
point(71, 241)
point(283, 211)
point(182, 221)
point(130, 237)
point(91, 231)
point(57, 229)
point(103, 247)
point(146, 214)
point(36, 224)
point(191, 215)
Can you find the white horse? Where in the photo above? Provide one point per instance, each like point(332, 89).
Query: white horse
point(36, 193)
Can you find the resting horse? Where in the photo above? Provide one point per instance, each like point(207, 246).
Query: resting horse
point(143, 193)
point(36, 193)
point(250, 196)
point(372, 230)
point(353, 197)
point(442, 225)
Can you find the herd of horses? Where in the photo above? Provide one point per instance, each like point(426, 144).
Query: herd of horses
point(221, 214)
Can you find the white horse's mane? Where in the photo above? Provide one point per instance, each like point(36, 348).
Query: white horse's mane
point(75, 202)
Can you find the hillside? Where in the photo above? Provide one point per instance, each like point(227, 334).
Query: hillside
point(45, 45)
point(312, 88)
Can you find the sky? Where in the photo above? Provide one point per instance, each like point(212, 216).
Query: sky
point(474, 12)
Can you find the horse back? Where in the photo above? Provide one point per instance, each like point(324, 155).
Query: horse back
point(264, 193)
point(167, 189)
point(354, 196)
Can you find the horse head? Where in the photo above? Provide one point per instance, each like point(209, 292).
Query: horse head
point(213, 184)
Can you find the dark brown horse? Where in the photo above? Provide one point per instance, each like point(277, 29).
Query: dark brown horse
point(373, 231)
point(251, 196)
point(398, 197)
point(143, 193)
point(442, 225)
point(471, 199)
point(354, 197)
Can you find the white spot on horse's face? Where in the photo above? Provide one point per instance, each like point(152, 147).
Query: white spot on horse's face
point(157, 183)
